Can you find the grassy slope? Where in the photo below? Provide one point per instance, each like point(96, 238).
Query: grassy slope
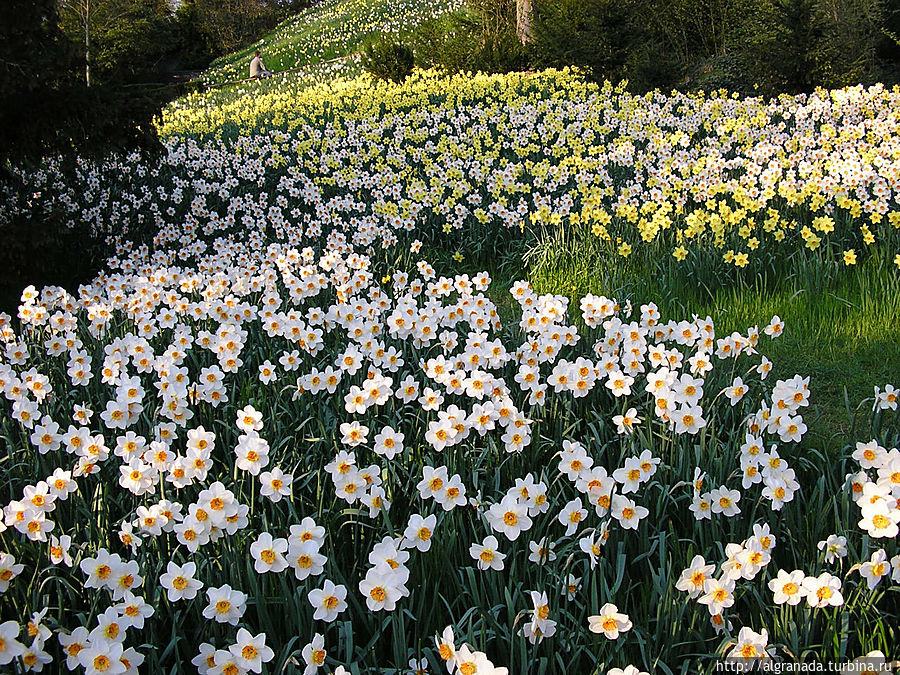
point(330, 29)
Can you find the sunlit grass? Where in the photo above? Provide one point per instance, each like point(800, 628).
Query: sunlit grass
point(325, 31)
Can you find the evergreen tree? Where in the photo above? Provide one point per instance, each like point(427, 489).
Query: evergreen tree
point(598, 35)
point(192, 46)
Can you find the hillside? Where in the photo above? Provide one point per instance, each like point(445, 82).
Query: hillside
point(328, 30)
point(409, 378)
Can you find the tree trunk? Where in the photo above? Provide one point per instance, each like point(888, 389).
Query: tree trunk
point(87, 43)
point(523, 21)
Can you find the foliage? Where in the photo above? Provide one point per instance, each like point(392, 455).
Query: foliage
point(695, 29)
point(134, 46)
point(600, 36)
point(797, 45)
point(650, 43)
point(763, 46)
point(202, 34)
point(47, 110)
point(193, 47)
point(387, 59)
point(749, 46)
point(479, 37)
point(785, 52)
point(849, 52)
point(231, 24)
point(119, 39)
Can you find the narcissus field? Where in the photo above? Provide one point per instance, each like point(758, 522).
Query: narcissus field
point(473, 374)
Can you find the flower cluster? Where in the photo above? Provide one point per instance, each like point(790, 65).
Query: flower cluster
point(278, 433)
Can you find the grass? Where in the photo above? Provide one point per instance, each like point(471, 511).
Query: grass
point(326, 31)
point(842, 325)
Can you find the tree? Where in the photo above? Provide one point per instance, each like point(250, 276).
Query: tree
point(387, 59)
point(479, 36)
point(80, 17)
point(524, 11)
point(693, 29)
point(230, 24)
point(852, 32)
point(118, 38)
point(598, 35)
point(193, 48)
point(291, 7)
point(796, 29)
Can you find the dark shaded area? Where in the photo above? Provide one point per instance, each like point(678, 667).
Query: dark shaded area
point(47, 110)
point(387, 59)
point(749, 46)
point(45, 107)
point(44, 255)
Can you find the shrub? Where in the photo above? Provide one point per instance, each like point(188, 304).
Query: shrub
point(720, 72)
point(595, 35)
point(650, 43)
point(479, 37)
point(750, 46)
point(388, 60)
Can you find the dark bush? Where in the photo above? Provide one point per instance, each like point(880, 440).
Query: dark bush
point(719, 72)
point(781, 50)
point(749, 46)
point(479, 37)
point(387, 59)
point(888, 47)
point(600, 36)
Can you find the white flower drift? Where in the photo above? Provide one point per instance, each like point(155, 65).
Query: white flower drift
point(214, 330)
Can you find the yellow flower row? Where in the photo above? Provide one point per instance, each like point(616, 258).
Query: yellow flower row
point(548, 150)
